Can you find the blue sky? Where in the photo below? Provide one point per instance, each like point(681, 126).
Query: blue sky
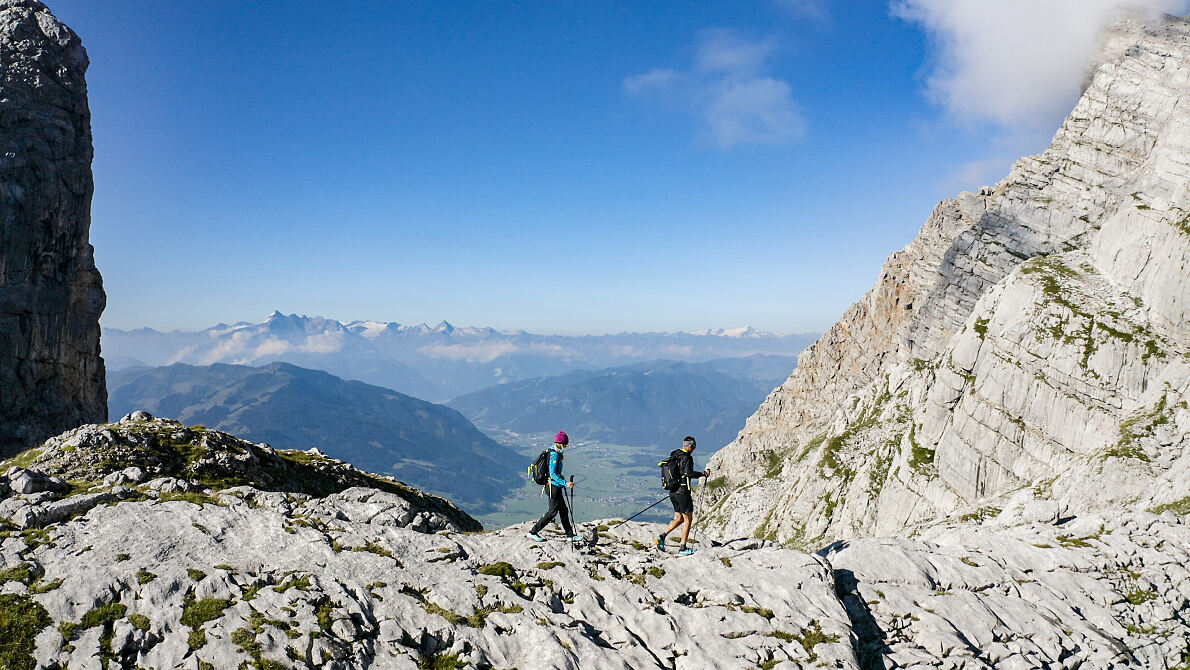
point(563, 167)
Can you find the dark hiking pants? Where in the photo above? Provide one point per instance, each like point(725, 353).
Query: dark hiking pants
point(557, 506)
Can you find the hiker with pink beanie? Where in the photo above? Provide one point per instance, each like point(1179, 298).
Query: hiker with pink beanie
point(557, 486)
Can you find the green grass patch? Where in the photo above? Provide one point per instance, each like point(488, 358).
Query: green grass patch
point(104, 614)
point(45, 587)
point(981, 514)
point(324, 614)
point(549, 565)
point(24, 573)
point(981, 327)
point(21, 619)
point(374, 548)
point(760, 611)
point(1183, 225)
point(139, 620)
point(1137, 597)
point(774, 464)
point(1139, 425)
point(37, 537)
point(498, 569)
point(920, 458)
point(195, 613)
point(245, 639)
point(440, 662)
point(301, 583)
point(1179, 507)
point(812, 636)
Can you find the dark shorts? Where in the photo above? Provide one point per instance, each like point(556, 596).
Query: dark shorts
point(683, 503)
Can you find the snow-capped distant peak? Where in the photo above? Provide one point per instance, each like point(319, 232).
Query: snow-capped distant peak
point(371, 329)
point(746, 331)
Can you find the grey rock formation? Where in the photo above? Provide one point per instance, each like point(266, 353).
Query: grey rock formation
point(1031, 344)
point(51, 294)
point(174, 460)
point(185, 573)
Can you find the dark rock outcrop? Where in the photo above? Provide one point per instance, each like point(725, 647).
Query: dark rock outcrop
point(51, 294)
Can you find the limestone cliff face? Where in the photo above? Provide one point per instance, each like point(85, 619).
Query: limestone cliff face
point(51, 295)
point(1033, 340)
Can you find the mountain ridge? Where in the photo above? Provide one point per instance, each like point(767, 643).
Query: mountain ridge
point(433, 362)
point(650, 403)
point(290, 407)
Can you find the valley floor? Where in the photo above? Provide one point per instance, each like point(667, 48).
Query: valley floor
point(611, 480)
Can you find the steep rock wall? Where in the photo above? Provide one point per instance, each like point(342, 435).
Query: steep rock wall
point(1033, 332)
point(51, 294)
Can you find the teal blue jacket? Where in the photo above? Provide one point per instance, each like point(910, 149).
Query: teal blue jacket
point(556, 469)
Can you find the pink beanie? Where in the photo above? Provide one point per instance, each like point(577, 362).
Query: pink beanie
point(561, 438)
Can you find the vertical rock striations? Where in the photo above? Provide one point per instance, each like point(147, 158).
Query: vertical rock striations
point(1032, 339)
point(51, 294)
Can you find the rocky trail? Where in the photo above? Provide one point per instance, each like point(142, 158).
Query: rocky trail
point(175, 572)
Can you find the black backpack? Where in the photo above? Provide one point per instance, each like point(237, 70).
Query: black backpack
point(671, 477)
point(539, 471)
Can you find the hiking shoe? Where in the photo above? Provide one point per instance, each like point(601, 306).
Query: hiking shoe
point(687, 551)
point(659, 541)
point(576, 538)
point(535, 537)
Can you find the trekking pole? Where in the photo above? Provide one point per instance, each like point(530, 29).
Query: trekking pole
point(573, 516)
point(646, 509)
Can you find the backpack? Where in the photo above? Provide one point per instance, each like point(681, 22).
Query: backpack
point(539, 471)
point(671, 477)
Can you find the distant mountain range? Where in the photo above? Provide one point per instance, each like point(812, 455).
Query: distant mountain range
point(432, 362)
point(427, 445)
point(654, 403)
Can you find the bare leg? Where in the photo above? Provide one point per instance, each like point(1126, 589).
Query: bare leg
point(686, 518)
point(672, 525)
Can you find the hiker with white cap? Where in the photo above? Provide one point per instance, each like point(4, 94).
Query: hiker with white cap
point(677, 471)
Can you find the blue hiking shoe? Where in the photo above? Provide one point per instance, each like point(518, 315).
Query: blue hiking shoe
point(535, 537)
point(576, 538)
point(659, 542)
point(687, 551)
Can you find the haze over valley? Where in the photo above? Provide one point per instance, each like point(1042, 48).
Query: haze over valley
point(435, 363)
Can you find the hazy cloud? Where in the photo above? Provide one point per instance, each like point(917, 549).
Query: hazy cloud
point(728, 90)
point(812, 9)
point(1015, 62)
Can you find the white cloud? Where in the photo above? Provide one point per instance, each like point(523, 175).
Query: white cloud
point(728, 90)
point(1015, 62)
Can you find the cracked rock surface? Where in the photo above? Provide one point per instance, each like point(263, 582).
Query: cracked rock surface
point(183, 565)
